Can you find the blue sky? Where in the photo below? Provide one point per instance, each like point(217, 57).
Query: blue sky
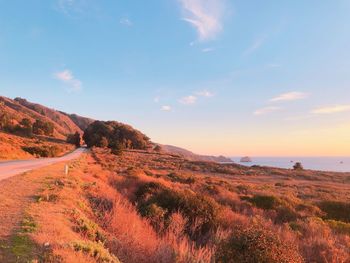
point(214, 76)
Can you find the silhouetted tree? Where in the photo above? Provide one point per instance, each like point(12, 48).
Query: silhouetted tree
point(74, 139)
point(298, 166)
point(157, 148)
point(114, 135)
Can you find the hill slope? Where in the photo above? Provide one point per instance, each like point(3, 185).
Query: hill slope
point(192, 156)
point(64, 123)
point(18, 109)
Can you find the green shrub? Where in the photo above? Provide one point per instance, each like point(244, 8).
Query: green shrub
point(43, 151)
point(265, 201)
point(339, 227)
point(88, 229)
point(285, 212)
point(335, 210)
point(95, 250)
point(43, 128)
point(175, 177)
point(74, 139)
point(255, 244)
point(198, 209)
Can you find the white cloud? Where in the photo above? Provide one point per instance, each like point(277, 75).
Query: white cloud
point(290, 96)
point(205, 93)
point(125, 22)
point(266, 110)
point(188, 100)
point(206, 50)
point(331, 109)
point(205, 16)
point(67, 77)
point(255, 46)
point(165, 108)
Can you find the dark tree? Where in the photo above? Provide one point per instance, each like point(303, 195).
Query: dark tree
point(157, 148)
point(298, 166)
point(43, 128)
point(74, 139)
point(114, 135)
point(26, 127)
point(4, 121)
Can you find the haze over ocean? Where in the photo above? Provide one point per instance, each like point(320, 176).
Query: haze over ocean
point(334, 164)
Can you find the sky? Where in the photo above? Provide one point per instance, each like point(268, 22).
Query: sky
point(231, 77)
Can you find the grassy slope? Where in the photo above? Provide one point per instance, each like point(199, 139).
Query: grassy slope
point(11, 146)
point(64, 123)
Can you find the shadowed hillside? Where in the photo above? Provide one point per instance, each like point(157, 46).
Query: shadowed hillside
point(64, 124)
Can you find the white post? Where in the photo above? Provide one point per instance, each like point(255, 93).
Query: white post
point(66, 169)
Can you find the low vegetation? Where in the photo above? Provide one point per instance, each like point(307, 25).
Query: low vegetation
point(148, 206)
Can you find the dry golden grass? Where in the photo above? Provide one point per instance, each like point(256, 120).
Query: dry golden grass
point(11, 146)
point(187, 212)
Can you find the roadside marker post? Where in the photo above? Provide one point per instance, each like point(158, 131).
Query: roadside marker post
point(66, 169)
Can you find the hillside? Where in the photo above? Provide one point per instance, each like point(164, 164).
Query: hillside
point(17, 139)
point(18, 109)
point(194, 157)
point(64, 124)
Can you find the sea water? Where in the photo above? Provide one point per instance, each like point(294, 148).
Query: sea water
point(334, 164)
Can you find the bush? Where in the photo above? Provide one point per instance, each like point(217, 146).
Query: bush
point(201, 211)
point(95, 250)
point(256, 244)
point(298, 166)
point(43, 151)
point(43, 128)
point(284, 211)
point(265, 201)
point(25, 127)
point(339, 227)
point(339, 211)
point(157, 148)
point(74, 139)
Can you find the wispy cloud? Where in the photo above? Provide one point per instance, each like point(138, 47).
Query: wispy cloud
point(273, 65)
point(266, 110)
point(205, 93)
point(255, 46)
point(165, 108)
point(290, 96)
point(205, 16)
point(67, 77)
point(331, 109)
point(156, 99)
point(126, 22)
point(207, 50)
point(188, 100)
point(71, 6)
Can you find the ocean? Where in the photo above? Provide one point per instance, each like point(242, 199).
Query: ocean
point(334, 164)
